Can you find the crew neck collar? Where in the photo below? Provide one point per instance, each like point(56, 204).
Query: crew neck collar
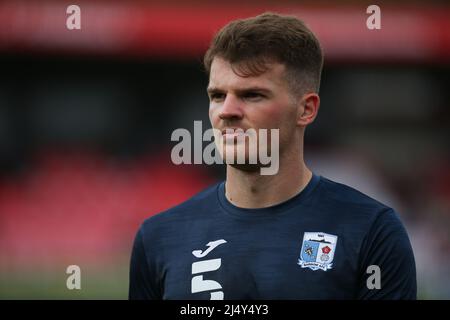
point(267, 211)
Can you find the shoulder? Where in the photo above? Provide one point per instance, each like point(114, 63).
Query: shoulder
point(376, 221)
point(346, 195)
point(342, 196)
point(353, 206)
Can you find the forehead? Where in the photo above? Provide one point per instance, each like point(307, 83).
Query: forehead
point(223, 76)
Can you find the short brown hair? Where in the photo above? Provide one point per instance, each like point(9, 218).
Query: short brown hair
point(251, 43)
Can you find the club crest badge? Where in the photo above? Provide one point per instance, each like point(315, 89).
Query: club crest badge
point(317, 251)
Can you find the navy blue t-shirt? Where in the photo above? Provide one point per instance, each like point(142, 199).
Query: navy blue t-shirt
point(327, 242)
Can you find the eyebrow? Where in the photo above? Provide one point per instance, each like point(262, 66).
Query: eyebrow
point(212, 90)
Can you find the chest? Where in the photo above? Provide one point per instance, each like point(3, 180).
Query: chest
point(265, 267)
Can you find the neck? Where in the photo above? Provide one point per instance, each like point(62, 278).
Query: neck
point(252, 190)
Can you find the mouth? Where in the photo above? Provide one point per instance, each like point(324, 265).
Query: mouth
point(232, 130)
point(232, 134)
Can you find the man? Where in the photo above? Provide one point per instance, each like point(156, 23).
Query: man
point(289, 235)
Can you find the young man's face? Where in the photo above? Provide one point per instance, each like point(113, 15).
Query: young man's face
point(257, 102)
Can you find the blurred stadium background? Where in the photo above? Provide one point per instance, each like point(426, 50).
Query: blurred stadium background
point(86, 117)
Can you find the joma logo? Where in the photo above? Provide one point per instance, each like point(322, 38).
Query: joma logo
point(198, 284)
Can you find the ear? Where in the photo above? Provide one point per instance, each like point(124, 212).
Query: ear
point(308, 109)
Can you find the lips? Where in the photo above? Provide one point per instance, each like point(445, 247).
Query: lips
point(233, 131)
point(231, 134)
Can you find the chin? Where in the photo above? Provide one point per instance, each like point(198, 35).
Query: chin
point(230, 155)
point(246, 167)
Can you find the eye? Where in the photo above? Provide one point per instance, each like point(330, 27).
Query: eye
point(217, 96)
point(253, 96)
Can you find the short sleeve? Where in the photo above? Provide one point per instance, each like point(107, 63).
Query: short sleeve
point(387, 246)
point(143, 284)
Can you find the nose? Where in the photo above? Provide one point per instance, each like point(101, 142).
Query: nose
point(231, 109)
